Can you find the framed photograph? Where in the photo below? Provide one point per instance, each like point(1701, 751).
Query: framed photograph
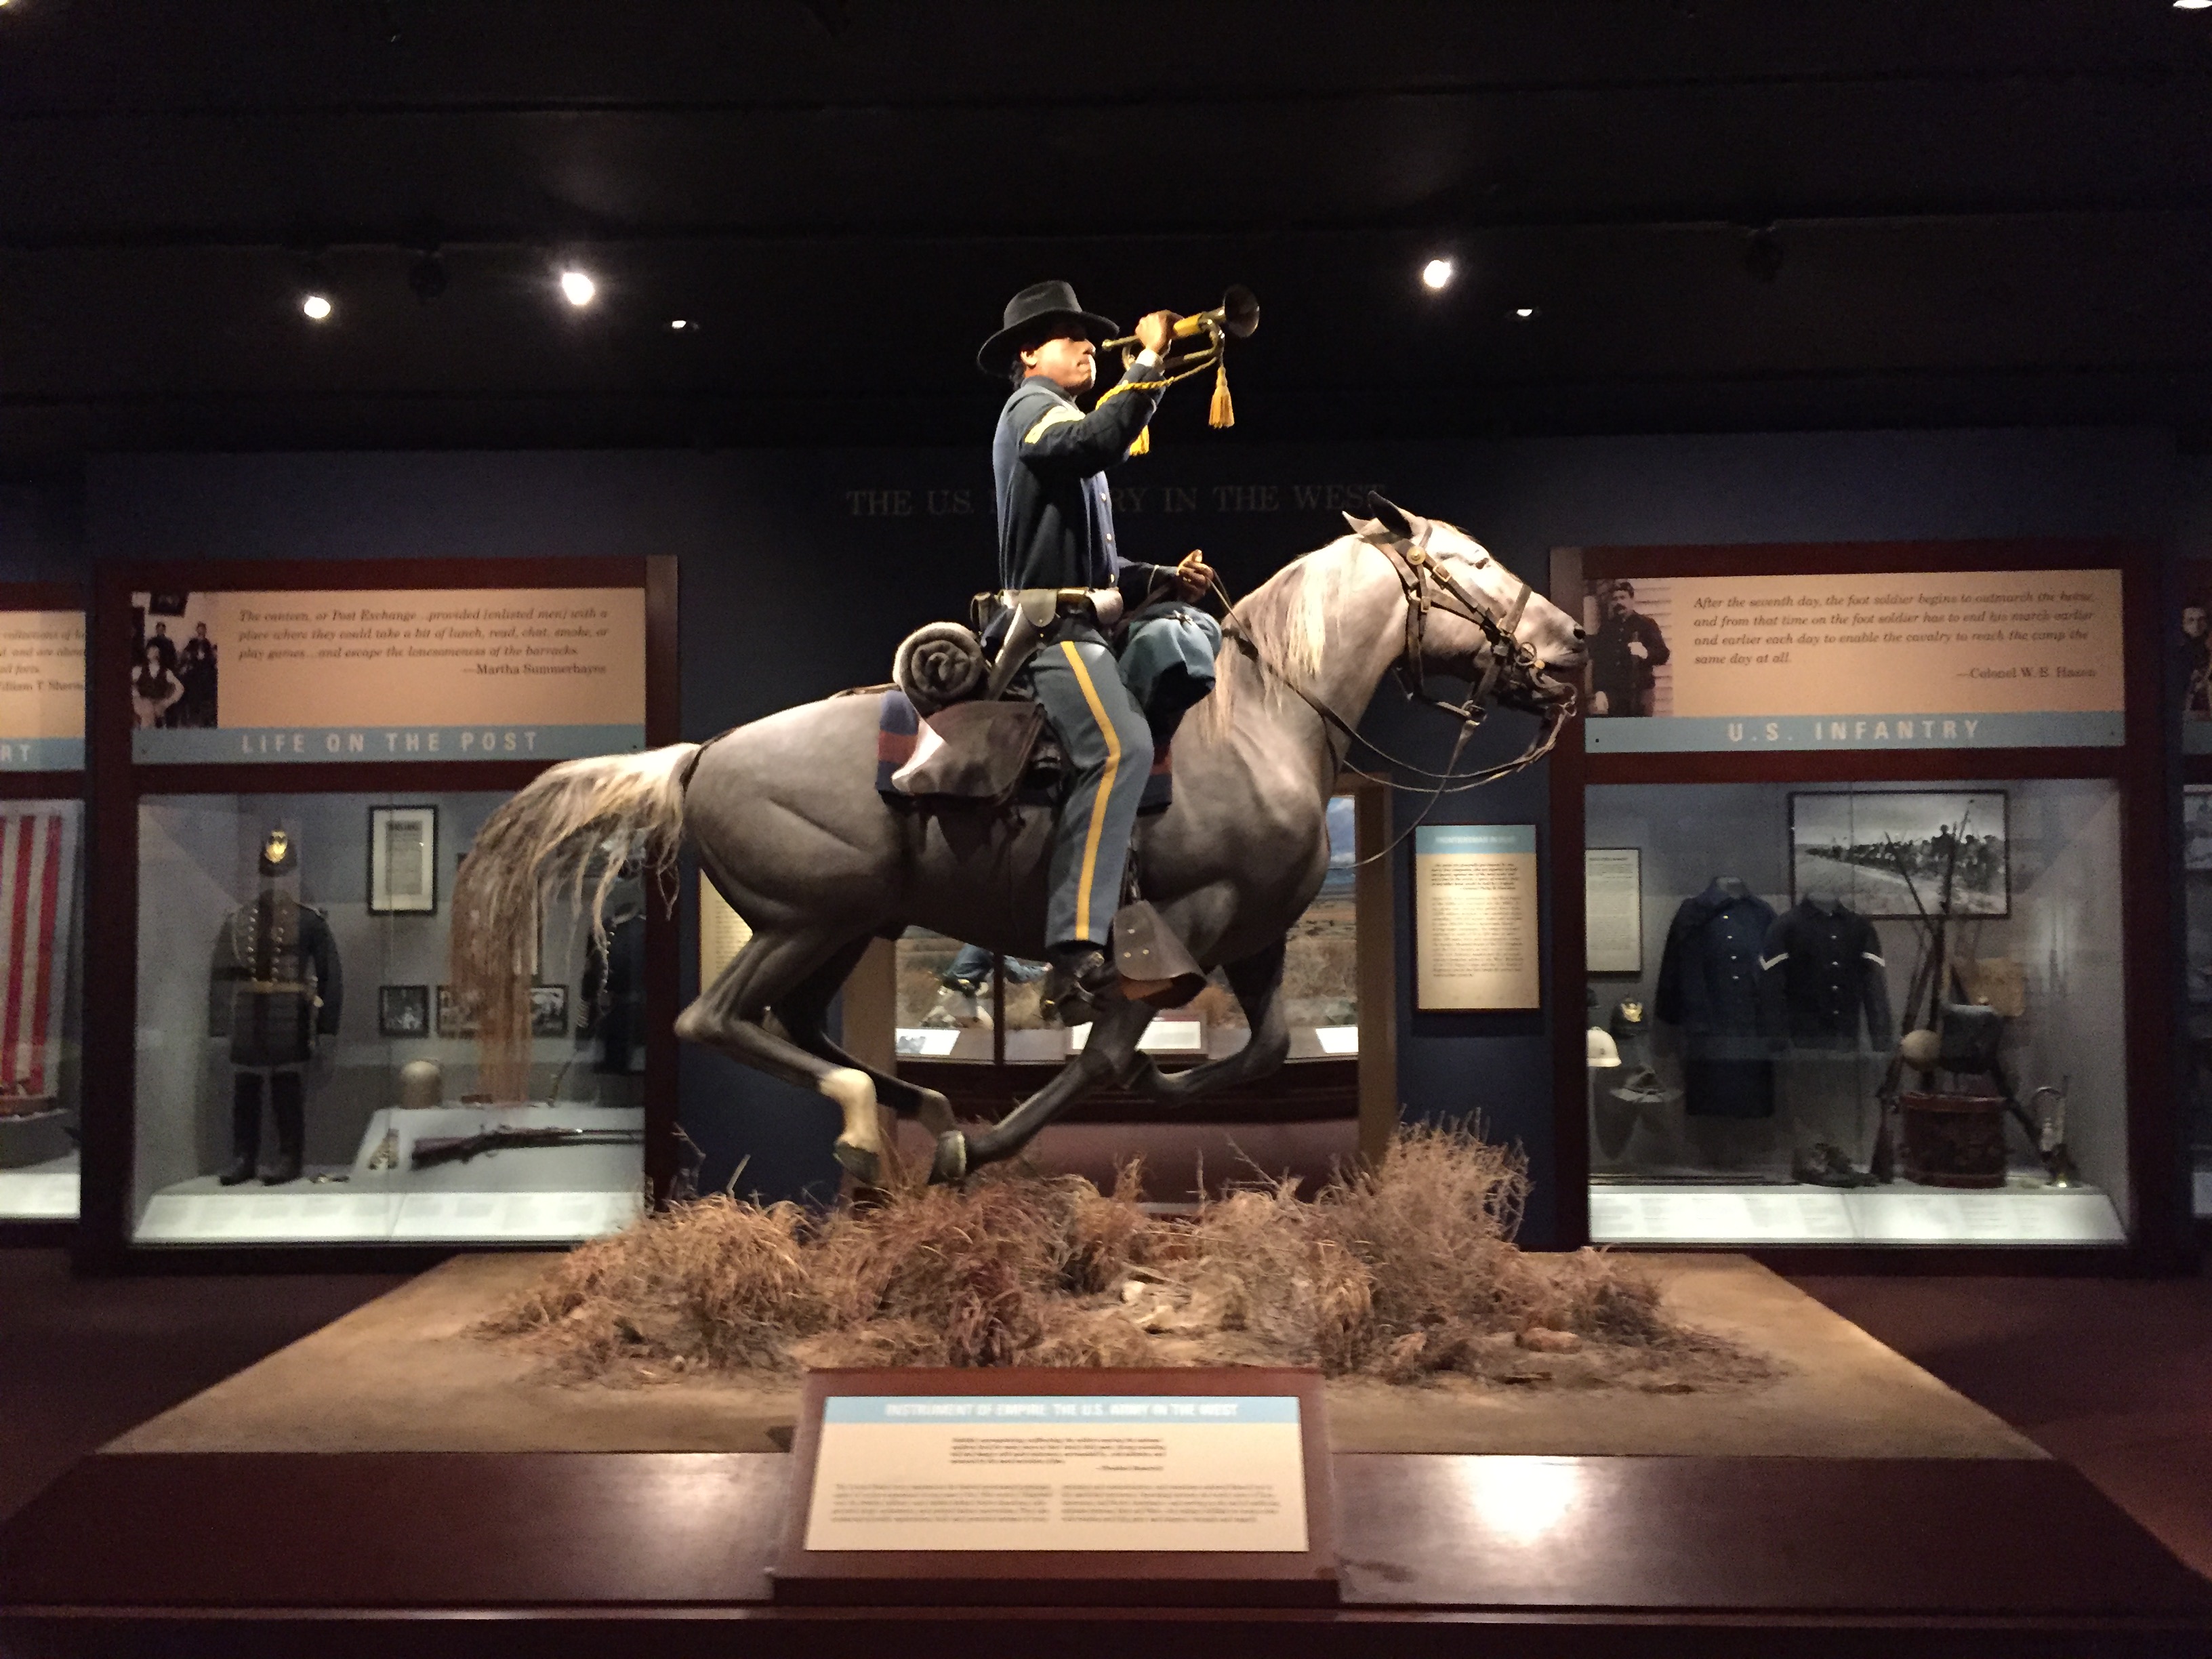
point(453, 1020)
point(1613, 909)
point(549, 1010)
point(403, 1011)
point(1892, 855)
point(2197, 827)
point(403, 861)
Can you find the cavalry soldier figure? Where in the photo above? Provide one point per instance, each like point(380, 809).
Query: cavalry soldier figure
point(1059, 567)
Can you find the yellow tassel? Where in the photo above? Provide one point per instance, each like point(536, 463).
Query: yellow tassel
point(1144, 444)
point(1221, 411)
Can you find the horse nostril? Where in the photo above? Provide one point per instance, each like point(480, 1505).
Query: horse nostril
point(1578, 634)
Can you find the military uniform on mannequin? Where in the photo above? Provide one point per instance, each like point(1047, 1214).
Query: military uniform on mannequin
point(1828, 985)
point(1709, 986)
point(1048, 461)
point(273, 989)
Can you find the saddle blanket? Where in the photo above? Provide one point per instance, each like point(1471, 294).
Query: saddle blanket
point(899, 735)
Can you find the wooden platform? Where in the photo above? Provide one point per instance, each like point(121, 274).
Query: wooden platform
point(664, 1553)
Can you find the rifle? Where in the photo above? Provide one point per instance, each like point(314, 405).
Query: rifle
point(459, 1149)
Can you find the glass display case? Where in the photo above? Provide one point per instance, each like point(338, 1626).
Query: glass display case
point(2197, 967)
point(304, 1073)
point(1871, 1012)
point(41, 966)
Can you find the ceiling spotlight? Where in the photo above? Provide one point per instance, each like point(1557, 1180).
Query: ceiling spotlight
point(1437, 274)
point(2178, 5)
point(1763, 254)
point(316, 306)
point(1524, 312)
point(678, 323)
point(577, 289)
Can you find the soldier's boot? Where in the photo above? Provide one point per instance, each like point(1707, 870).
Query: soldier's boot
point(245, 1128)
point(288, 1106)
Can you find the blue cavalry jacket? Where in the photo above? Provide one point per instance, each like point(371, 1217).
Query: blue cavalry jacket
point(1055, 515)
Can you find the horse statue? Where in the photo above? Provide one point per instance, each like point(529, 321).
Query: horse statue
point(788, 824)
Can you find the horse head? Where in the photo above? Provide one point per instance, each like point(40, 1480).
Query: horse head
point(1451, 642)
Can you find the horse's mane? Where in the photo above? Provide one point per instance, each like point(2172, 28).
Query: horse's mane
point(1286, 619)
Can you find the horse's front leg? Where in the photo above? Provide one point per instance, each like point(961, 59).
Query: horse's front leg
point(1110, 1053)
point(1257, 980)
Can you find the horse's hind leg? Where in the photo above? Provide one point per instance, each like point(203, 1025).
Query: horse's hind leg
point(1109, 1054)
point(729, 1016)
point(804, 1011)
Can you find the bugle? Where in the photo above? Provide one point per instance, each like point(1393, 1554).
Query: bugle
point(1236, 316)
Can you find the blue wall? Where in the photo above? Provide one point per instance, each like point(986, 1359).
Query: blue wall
point(800, 570)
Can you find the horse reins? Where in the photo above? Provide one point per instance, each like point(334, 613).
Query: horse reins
point(1416, 567)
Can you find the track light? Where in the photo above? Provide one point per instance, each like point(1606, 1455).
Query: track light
point(1763, 254)
point(1437, 274)
point(317, 306)
point(2178, 5)
point(679, 324)
point(1526, 313)
point(426, 275)
point(578, 289)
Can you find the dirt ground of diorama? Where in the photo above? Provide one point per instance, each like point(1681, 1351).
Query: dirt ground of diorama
point(1437, 1334)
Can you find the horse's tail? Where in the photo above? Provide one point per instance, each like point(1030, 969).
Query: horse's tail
point(583, 819)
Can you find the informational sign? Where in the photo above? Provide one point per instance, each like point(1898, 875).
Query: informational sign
point(1091, 1472)
point(400, 675)
point(1475, 936)
point(722, 933)
point(41, 690)
point(1952, 659)
point(1613, 909)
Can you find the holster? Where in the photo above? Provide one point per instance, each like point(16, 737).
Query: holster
point(1035, 612)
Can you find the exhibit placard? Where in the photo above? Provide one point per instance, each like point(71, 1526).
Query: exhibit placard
point(1058, 1472)
point(1613, 910)
point(1901, 659)
point(41, 690)
point(429, 674)
point(1475, 935)
point(1166, 1486)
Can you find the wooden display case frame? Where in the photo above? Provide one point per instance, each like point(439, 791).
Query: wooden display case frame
point(117, 785)
point(51, 785)
point(2162, 1238)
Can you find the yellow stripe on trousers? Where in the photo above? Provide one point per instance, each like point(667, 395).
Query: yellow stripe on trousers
point(1098, 830)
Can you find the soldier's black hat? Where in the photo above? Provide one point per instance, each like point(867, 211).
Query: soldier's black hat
point(1033, 310)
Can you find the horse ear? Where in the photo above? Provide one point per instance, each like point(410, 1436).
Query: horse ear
point(1359, 526)
point(1389, 514)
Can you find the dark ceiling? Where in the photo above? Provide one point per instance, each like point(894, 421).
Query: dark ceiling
point(1980, 213)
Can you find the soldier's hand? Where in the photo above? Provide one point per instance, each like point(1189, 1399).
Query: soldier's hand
point(1636, 650)
point(1194, 575)
point(1153, 332)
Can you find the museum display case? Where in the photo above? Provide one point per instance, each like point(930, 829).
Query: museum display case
point(275, 904)
point(1862, 934)
point(2196, 972)
point(41, 905)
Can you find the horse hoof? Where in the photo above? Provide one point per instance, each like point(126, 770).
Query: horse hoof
point(935, 1114)
point(863, 1164)
point(950, 1162)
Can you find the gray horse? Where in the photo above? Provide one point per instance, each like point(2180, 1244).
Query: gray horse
point(788, 824)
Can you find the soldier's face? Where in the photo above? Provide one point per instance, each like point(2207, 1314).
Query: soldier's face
point(2192, 621)
point(1070, 363)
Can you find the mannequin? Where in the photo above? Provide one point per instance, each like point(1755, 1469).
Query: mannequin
point(1829, 989)
point(275, 986)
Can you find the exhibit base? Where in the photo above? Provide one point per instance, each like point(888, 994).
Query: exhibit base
point(616, 1553)
point(1720, 1213)
point(504, 1194)
point(45, 1191)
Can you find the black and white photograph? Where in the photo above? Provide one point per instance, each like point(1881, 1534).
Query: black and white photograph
point(403, 861)
point(452, 1021)
point(2197, 827)
point(173, 663)
point(549, 1010)
point(1897, 855)
point(2197, 656)
point(1626, 623)
point(403, 1011)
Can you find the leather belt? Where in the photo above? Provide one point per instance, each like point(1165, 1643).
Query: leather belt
point(1034, 610)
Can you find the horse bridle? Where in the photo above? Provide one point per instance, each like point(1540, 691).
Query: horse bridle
point(1428, 585)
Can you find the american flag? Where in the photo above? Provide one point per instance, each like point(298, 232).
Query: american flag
point(38, 879)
